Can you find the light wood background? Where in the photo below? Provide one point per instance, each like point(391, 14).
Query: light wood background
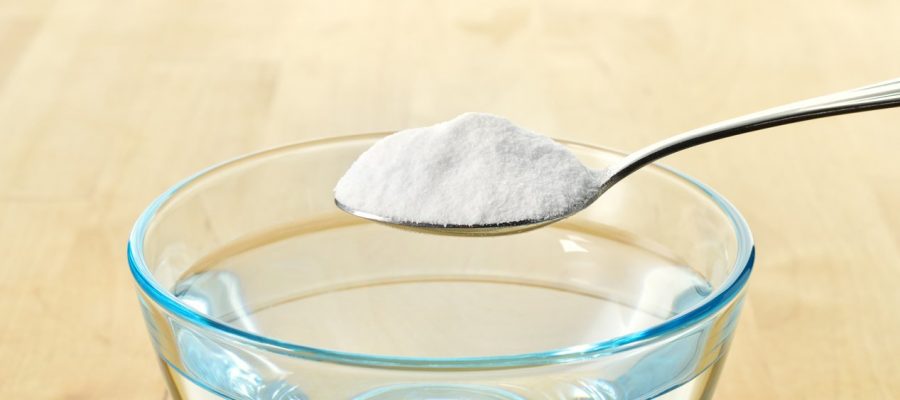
point(105, 103)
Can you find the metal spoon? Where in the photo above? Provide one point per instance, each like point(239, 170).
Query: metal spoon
point(872, 97)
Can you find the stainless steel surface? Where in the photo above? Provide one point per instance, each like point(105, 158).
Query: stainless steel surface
point(458, 230)
point(873, 97)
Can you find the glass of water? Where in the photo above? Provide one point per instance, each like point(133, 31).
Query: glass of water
point(254, 285)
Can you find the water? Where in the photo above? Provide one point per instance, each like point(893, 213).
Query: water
point(366, 288)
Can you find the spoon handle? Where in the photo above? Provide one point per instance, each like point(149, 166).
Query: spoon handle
point(873, 97)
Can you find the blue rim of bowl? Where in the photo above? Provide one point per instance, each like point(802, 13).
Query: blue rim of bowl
point(722, 296)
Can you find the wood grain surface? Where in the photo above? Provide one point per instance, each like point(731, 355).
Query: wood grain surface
point(104, 104)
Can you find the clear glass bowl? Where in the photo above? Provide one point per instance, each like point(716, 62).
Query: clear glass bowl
point(255, 286)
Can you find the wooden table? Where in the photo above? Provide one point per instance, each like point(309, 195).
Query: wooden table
point(103, 104)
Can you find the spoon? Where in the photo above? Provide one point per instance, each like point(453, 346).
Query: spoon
point(872, 97)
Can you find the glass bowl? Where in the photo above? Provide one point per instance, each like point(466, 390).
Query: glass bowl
point(255, 286)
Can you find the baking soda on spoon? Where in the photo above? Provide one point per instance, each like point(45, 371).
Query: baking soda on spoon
point(476, 169)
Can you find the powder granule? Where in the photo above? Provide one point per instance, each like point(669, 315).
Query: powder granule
point(475, 169)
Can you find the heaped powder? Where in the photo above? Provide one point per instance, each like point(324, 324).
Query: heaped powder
point(472, 170)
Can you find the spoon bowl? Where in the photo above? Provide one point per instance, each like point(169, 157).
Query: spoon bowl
point(503, 228)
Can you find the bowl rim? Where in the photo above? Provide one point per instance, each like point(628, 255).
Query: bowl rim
point(717, 300)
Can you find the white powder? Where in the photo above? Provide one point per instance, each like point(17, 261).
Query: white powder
point(474, 169)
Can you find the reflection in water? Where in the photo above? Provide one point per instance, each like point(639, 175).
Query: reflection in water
point(244, 375)
point(210, 360)
point(217, 294)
